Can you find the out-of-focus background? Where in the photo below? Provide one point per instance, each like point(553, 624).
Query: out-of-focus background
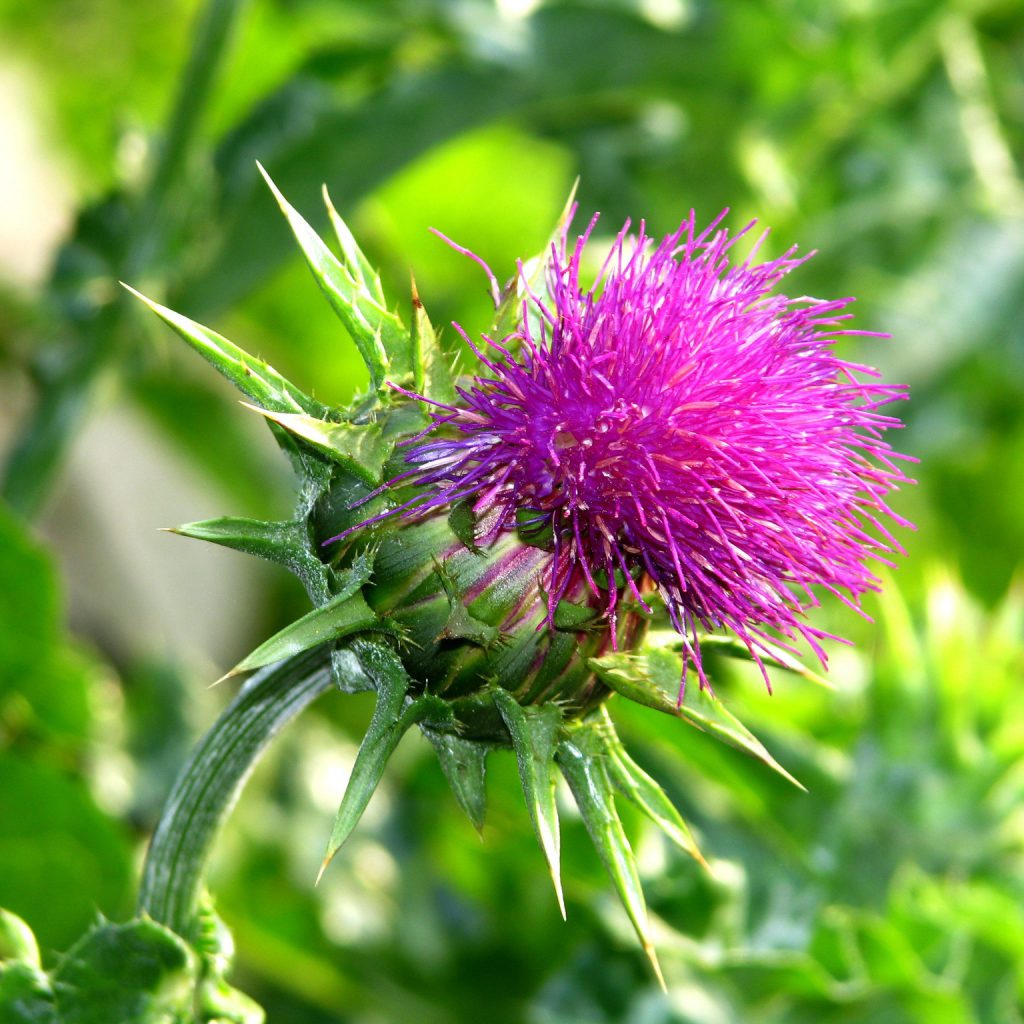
point(887, 135)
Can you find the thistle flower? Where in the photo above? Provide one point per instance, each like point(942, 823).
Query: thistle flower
point(678, 424)
point(486, 554)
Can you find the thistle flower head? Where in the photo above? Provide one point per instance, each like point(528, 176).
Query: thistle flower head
point(681, 426)
point(676, 429)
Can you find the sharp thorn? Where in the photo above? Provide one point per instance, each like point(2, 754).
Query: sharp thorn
point(652, 957)
point(323, 868)
point(559, 895)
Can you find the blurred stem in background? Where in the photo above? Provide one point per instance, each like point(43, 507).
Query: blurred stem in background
point(66, 386)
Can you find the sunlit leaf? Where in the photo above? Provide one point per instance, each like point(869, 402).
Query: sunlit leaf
point(359, 447)
point(250, 375)
point(653, 676)
point(639, 787)
point(383, 341)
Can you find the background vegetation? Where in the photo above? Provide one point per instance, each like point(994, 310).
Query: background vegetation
point(887, 135)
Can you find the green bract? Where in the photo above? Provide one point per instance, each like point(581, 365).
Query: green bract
point(450, 634)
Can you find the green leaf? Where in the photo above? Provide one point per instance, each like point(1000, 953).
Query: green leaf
point(45, 813)
point(462, 520)
point(253, 377)
point(648, 677)
point(392, 718)
point(464, 763)
point(356, 263)
point(344, 615)
point(359, 447)
point(137, 973)
point(582, 758)
point(381, 337)
point(534, 732)
point(631, 780)
point(770, 654)
point(29, 607)
point(16, 940)
point(26, 996)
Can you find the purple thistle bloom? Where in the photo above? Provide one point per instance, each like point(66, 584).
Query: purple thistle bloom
point(680, 428)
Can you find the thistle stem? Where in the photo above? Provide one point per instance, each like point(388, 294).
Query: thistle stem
point(212, 780)
point(68, 392)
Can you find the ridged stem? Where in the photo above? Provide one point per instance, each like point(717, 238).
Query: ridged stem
point(212, 780)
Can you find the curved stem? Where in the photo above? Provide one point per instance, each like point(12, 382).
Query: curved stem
point(212, 780)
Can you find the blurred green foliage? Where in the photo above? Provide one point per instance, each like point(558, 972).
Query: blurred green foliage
point(887, 135)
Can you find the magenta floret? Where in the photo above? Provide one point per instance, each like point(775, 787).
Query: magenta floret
point(681, 428)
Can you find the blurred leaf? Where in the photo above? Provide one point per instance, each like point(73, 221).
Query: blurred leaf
point(138, 973)
point(572, 53)
point(189, 410)
point(53, 838)
point(28, 600)
point(52, 834)
point(16, 940)
point(26, 996)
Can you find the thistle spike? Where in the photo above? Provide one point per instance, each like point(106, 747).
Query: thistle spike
point(534, 732)
point(771, 654)
point(344, 614)
point(432, 375)
point(582, 760)
point(635, 784)
point(275, 541)
point(379, 335)
point(358, 265)
point(393, 716)
point(253, 377)
point(647, 678)
point(359, 447)
point(387, 726)
point(464, 763)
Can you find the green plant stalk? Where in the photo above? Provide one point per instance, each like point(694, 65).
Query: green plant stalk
point(212, 780)
point(68, 394)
